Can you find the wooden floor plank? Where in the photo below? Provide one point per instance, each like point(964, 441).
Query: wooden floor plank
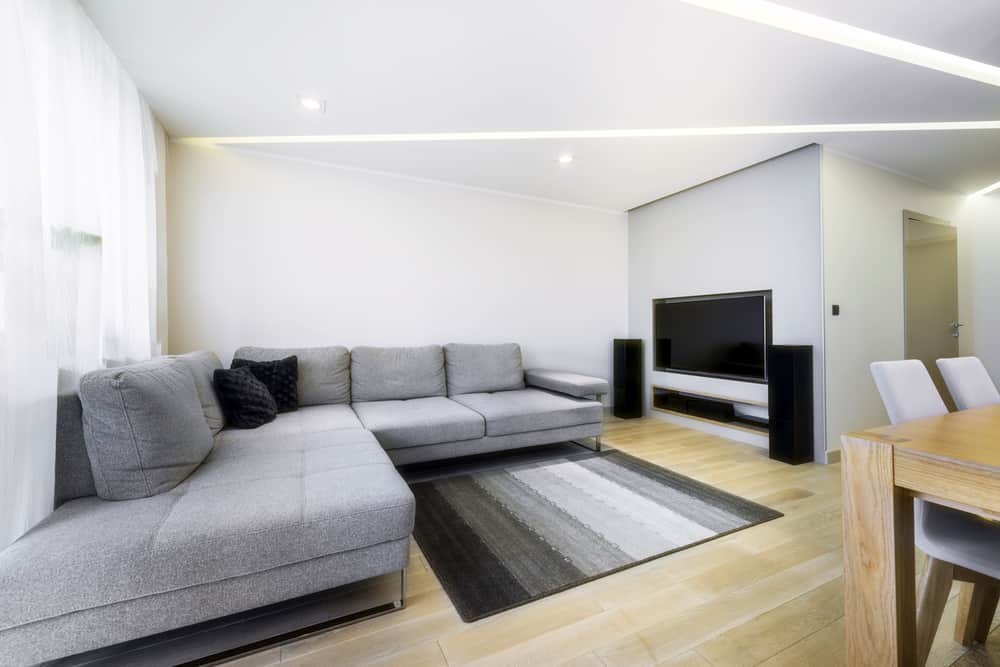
point(684, 631)
point(690, 659)
point(772, 632)
point(820, 649)
point(497, 633)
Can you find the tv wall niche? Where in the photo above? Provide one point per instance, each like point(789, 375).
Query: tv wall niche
point(714, 335)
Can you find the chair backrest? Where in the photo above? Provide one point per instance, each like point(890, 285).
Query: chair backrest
point(907, 390)
point(968, 382)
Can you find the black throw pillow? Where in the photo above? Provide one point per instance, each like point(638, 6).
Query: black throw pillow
point(281, 377)
point(245, 399)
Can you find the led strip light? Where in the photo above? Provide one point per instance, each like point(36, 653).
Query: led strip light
point(528, 135)
point(835, 32)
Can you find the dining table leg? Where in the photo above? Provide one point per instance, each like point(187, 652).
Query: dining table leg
point(879, 577)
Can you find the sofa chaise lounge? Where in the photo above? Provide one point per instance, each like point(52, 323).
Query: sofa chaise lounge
point(309, 502)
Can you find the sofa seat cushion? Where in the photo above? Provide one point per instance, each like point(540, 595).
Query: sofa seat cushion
point(312, 419)
point(525, 410)
point(253, 505)
point(327, 418)
point(419, 421)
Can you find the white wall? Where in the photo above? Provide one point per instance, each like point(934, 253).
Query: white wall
point(752, 230)
point(273, 251)
point(863, 267)
point(980, 219)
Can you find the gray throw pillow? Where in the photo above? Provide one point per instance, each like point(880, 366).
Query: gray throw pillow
point(144, 427)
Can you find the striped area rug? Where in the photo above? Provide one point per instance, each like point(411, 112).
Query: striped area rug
point(500, 537)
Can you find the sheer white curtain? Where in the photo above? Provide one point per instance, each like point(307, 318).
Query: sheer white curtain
point(27, 352)
point(98, 169)
point(78, 165)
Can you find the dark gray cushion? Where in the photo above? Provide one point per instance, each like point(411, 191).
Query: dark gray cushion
point(564, 382)
point(245, 399)
point(144, 427)
point(395, 373)
point(251, 507)
point(525, 410)
point(281, 377)
point(202, 365)
point(324, 372)
point(476, 368)
point(419, 421)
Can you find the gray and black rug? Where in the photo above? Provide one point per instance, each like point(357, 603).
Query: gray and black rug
point(502, 534)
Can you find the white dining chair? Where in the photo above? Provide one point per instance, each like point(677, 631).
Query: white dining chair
point(968, 382)
point(958, 545)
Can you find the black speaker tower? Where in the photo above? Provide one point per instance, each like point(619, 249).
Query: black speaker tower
point(628, 378)
point(790, 402)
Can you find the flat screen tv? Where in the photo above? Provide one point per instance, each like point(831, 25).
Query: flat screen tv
point(720, 335)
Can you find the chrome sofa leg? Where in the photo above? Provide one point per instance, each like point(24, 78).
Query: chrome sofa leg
point(401, 602)
point(594, 446)
point(597, 438)
point(585, 442)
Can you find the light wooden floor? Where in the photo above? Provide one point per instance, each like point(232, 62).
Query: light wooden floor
point(768, 595)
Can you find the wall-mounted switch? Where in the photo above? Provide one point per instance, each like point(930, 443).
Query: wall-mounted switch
point(836, 309)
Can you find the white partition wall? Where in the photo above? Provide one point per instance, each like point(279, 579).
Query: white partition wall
point(980, 220)
point(756, 229)
point(863, 268)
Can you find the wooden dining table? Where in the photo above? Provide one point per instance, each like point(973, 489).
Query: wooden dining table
point(953, 460)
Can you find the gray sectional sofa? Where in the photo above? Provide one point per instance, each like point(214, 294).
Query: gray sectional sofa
point(309, 502)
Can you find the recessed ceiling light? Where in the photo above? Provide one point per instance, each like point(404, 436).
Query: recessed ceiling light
point(312, 103)
point(565, 158)
point(818, 27)
point(651, 133)
point(985, 191)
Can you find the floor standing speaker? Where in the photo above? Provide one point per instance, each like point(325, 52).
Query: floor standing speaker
point(628, 378)
point(790, 402)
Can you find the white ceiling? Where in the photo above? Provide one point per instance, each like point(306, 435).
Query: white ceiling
point(235, 67)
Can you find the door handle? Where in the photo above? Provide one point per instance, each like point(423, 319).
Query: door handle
point(954, 328)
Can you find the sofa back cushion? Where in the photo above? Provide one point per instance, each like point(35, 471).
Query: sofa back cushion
point(202, 365)
point(144, 427)
point(74, 477)
point(324, 372)
point(476, 368)
point(396, 373)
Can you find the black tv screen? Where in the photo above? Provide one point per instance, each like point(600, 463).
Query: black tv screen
point(723, 335)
